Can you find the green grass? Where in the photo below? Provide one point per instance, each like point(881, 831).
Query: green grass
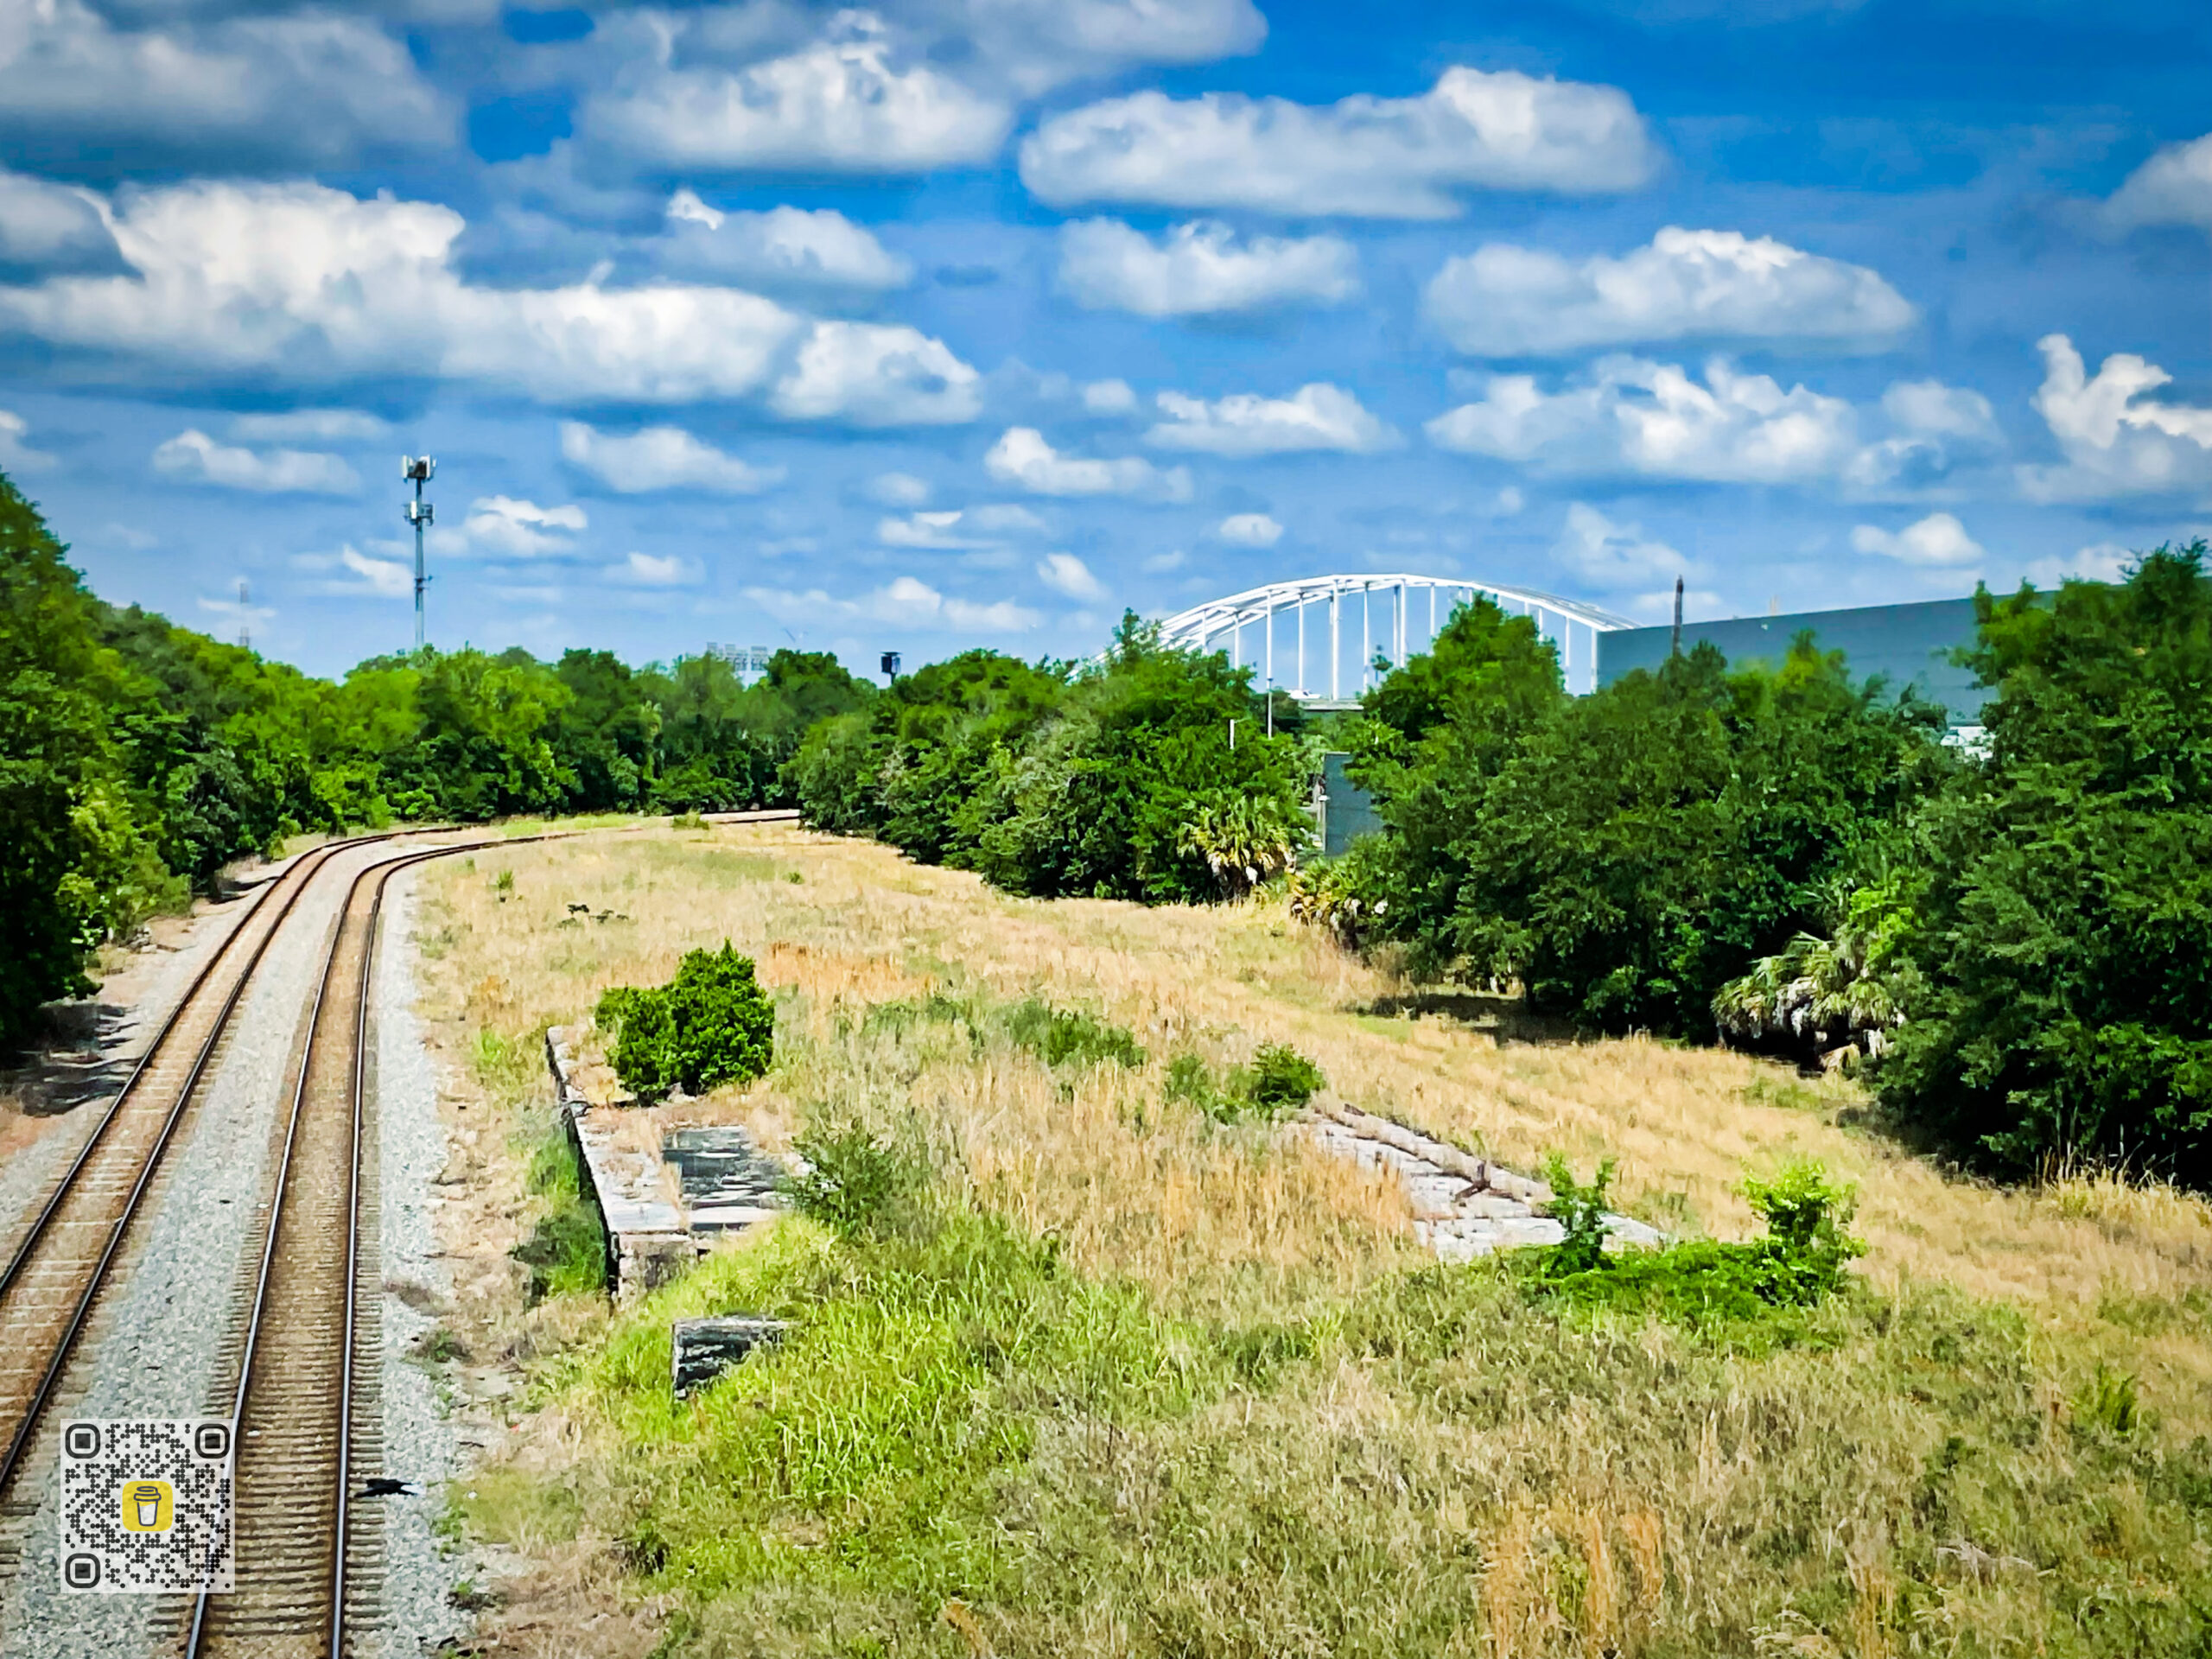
point(566, 1251)
point(1070, 1037)
point(1443, 1465)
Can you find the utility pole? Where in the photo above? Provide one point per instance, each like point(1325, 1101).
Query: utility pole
point(419, 469)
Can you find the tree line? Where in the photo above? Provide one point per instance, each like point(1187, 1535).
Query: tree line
point(2013, 935)
point(138, 758)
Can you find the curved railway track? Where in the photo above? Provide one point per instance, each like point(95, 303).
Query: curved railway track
point(303, 1355)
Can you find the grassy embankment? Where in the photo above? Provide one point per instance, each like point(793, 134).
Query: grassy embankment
point(1104, 1376)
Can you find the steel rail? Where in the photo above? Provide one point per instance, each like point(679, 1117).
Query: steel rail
point(19, 1442)
point(380, 873)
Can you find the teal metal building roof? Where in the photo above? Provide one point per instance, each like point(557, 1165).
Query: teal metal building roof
point(1907, 645)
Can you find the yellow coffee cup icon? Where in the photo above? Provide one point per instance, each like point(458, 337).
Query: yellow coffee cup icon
point(148, 1506)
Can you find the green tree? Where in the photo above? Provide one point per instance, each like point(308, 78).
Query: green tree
point(77, 861)
point(607, 736)
point(2061, 1003)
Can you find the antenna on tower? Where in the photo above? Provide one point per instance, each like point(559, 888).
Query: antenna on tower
point(245, 620)
point(419, 470)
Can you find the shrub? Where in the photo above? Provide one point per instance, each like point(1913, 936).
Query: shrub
point(710, 1025)
point(1066, 1037)
point(1750, 1291)
point(852, 1180)
point(1278, 1082)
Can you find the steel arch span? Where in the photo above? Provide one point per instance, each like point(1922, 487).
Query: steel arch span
point(1567, 623)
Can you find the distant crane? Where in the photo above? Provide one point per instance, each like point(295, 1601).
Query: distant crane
point(419, 470)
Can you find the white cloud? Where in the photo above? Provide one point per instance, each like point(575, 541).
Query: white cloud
point(1503, 301)
point(45, 226)
point(1938, 539)
point(299, 283)
point(1362, 158)
point(783, 247)
point(2115, 440)
point(1160, 563)
point(510, 528)
point(1034, 48)
point(1022, 457)
point(942, 530)
point(905, 603)
point(1201, 269)
point(2100, 562)
point(1110, 398)
point(370, 578)
point(1613, 557)
point(1930, 408)
point(16, 455)
point(1248, 530)
point(877, 374)
point(1936, 431)
point(1064, 572)
point(648, 570)
point(2173, 188)
point(313, 425)
point(221, 92)
point(1316, 416)
point(898, 489)
point(661, 458)
point(193, 457)
point(839, 106)
point(1636, 417)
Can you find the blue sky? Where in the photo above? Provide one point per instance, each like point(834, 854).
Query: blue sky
point(974, 322)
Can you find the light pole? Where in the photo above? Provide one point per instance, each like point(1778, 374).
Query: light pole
point(420, 469)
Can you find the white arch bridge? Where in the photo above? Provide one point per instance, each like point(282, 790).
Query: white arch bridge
point(1398, 614)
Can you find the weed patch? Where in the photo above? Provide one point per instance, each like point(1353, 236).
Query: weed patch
point(566, 1251)
point(1278, 1082)
point(1070, 1037)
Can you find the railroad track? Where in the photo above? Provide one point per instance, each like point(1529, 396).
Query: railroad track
point(58, 1265)
point(303, 1352)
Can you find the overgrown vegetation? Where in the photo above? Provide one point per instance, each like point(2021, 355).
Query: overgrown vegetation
point(1277, 1082)
point(138, 757)
point(710, 1025)
point(1119, 780)
point(1069, 1036)
point(2017, 933)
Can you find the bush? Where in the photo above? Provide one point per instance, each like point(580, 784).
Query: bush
point(852, 1181)
point(710, 1025)
point(1064, 1037)
point(1750, 1291)
point(1279, 1081)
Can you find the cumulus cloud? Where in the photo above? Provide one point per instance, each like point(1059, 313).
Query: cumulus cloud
point(2115, 440)
point(15, 454)
point(877, 374)
point(1613, 557)
point(311, 425)
point(782, 248)
point(195, 458)
point(898, 489)
point(1201, 269)
point(1034, 48)
point(652, 570)
point(1316, 416)
point(905, 602)
point(224, 91)
point(48, 227)
point(1503, 301)
point(300, 283)
point(946, 531)
point(510, 528)
point(1064, 572)
point(1248, 530)
point(2099, 562)
point(1362, 158)
point(1634, 416)
point(1935, 432)
point(1110, 398)
point(1160, 563)
point(661, 458)
point(366, 577)
point(838, 105)
point(1021, 457)
point(1939, 539)
point(2173, 188)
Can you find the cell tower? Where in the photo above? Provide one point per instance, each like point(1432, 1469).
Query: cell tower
point(419, 470)
point(245, 620)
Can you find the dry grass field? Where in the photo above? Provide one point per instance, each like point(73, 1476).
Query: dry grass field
point(1271, 1430)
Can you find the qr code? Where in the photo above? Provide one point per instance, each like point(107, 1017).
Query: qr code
point(146, 1506)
